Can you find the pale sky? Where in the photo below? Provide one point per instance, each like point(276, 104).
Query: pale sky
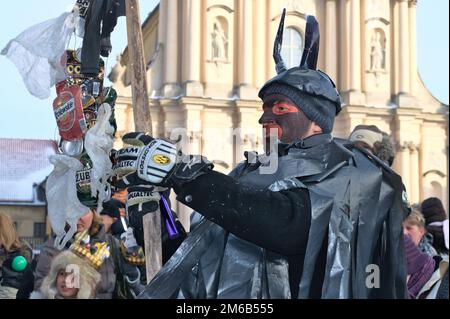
point(25, 116)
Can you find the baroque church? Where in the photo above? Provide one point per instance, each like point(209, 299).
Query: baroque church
point(206, 60)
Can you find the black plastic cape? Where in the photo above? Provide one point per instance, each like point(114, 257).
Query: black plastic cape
point(356, 218)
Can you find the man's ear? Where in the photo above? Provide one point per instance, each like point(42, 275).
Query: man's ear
point(315, 129)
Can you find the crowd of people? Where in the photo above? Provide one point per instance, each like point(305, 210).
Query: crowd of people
point(425, 228)
point(46, 275)
point(50, 274)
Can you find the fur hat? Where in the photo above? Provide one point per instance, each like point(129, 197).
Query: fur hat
point(88, 276)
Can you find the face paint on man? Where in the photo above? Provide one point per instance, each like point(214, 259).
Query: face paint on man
point(284, 117)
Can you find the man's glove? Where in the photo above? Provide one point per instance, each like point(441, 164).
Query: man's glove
point(148, 161)
point(141, 199)
point(156, 162)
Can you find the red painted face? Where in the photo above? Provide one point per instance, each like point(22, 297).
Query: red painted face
point(283, 118)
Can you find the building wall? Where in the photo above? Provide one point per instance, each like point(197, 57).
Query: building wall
point(25, 217)
point(367, 46)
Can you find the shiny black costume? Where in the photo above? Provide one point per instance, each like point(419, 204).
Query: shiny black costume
point(315, 228)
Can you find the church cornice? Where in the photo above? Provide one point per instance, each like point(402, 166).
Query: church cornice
point(412, 3)
point(368, 110)
point(431, 117)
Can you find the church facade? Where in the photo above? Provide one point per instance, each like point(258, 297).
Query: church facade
point(208, 58)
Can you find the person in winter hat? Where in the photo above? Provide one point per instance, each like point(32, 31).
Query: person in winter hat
point(14, 282)
point(111, 217)
point(420, 267)
point(378, 142)
point(436, 222)
point(60, 283)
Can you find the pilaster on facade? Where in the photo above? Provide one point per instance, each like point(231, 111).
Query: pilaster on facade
point(191, 43)
point(408, 112)
point(331, 40)
point(246, 91)
point(193, 89)
point(406, 100)
point(353, 98)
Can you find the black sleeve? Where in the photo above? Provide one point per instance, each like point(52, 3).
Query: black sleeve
point(90, 52)
point(277, 221)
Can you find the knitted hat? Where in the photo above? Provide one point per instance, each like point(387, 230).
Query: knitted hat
point(112, 208)
point(319, 110)
point(433, 210)
point(369, 134)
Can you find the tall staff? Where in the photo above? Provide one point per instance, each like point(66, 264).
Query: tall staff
point(143, 123)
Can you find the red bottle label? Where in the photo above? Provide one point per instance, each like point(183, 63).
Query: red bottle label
point(68, 110)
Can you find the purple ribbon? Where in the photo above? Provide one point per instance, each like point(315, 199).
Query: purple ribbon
point(168, 219)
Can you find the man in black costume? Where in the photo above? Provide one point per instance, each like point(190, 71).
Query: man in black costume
point(326, 224)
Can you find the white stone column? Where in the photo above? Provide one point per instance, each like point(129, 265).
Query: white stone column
point(355, 46)
point(171, 50)
point(261, 22)
point(414, 196)
point(344, 39)
point(404, 168)
point(331, 51)
point(191, 47)
point(413, 46)
point(193, 114)
point(245, 49)
point(404, 47)
point(162, 21)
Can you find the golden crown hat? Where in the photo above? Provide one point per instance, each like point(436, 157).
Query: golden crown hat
point(134, 255)
point(94, 253)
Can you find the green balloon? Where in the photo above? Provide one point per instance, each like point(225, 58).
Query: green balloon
point(19, 263)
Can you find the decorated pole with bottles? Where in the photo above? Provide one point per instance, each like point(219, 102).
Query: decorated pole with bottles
point(143, 123)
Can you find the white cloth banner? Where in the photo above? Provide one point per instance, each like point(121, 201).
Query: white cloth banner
point(98, 145)
point(64, 207)
point(37, 53)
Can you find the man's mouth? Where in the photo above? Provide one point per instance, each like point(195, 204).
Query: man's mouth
point(272, 130)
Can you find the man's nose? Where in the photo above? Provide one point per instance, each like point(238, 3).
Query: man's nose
point(267, 117)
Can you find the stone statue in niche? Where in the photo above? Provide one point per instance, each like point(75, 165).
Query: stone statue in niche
point(219, 42)
point(377, 53)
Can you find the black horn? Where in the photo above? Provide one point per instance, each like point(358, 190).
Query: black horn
point(312, 39)
point(279, 63)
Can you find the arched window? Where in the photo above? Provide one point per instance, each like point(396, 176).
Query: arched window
point(292, 48)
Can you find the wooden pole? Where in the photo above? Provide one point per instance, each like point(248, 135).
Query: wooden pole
point(143, 123)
